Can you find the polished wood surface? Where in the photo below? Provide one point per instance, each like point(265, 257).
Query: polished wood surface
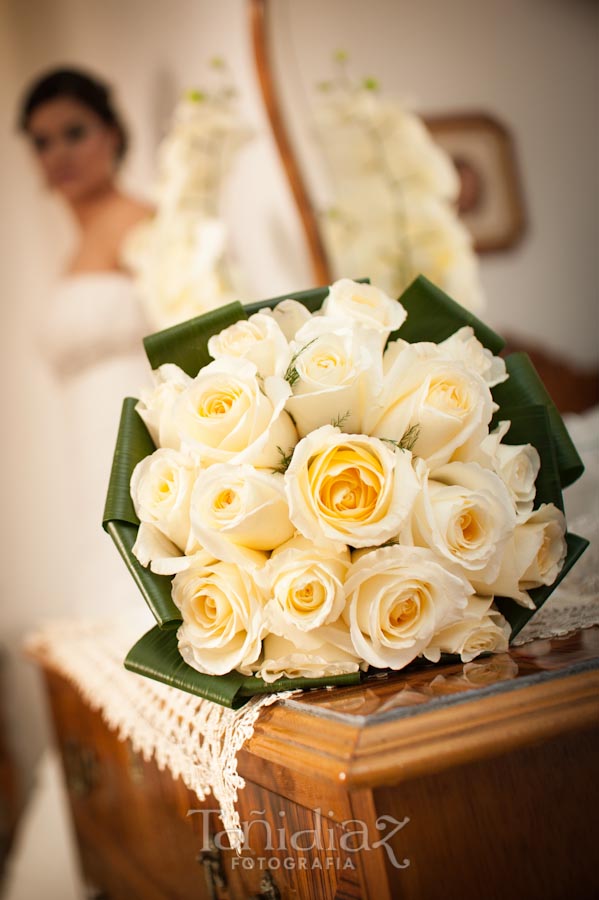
point(456, 781)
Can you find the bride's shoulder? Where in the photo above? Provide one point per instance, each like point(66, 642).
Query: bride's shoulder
point(106, 234)
point(124, 214)
point(130, 211)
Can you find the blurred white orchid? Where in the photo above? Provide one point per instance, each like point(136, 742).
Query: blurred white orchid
point(179, 258)
point(394, 215)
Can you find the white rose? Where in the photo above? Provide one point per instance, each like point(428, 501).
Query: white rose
point(464, 347)
point(289, 315)
point(258, 339)
point(161, 486)
point(304, 581)
point(397, 598)
point(225, 416)
point(351, 489)
point(365, 304)
point(223, 617)
point(518, 466)
point(464, 513)
point(533, 556)
point(481, 630)
point(156, 404)
point(152, 548)
point(282, 659)
point(238, 512)
point(441, 400)
point(334, 373)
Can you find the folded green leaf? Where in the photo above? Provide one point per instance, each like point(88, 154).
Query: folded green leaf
point(120, 521)
point(433, 316)
point(155, 589)
point(156, 655)
point(132, 445)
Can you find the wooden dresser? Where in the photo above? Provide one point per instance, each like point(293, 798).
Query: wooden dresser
point(458, 781)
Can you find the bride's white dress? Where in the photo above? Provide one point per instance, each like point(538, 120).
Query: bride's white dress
point(93, 342)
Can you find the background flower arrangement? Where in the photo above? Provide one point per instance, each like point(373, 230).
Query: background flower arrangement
point(393, 215)
point(394, 207)
point(329, 491)
point(180, 257)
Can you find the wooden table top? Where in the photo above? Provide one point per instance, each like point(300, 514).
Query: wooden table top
point(430, 716)
point(428, 686)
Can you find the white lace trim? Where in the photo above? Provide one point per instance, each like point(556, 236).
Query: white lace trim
point(199, 740)
point(193, 738)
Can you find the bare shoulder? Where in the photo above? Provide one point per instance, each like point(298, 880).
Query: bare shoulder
point(126, 212)
point(104, 237)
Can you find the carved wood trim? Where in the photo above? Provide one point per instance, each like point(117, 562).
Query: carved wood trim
point(392, 751)
point(258, 11)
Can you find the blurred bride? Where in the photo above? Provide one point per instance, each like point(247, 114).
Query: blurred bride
point(92, 334)
point(91, 339)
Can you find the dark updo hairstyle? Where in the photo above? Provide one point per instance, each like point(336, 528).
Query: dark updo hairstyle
point(76, 85)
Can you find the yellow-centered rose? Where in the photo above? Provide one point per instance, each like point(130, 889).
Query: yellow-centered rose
point(533, 556)
point(465, 514)
point(445, 404)
point(161, 486)
point(349, 488)
point(336, 372)
point(227, 414)
point(257, 339)
point(239, 512)
point(304, 583)
point(223, 617)
point(397, 598)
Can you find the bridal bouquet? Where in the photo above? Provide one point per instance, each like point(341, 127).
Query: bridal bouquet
point(321, 484)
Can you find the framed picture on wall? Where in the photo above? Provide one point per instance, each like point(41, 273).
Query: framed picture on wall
point(490, 202)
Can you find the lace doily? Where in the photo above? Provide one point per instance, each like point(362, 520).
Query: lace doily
point(198, 740)
point(193, 738)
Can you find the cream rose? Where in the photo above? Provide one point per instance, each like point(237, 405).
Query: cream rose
point(351, 489)
point(518, 466)
point(239, 512)
point(282, 659)
point(257, 339)
point(156, 403)
point(465, 514)
point(365, 304)
point(533, 556)
point(398, 597)
point(223, 617)
point(464, 347)
point(444, 402)
point(334, 373)
point(161, 486)
point(482, 629)
point(289, 315)
point(304, 581)
point(225, 415)
point(152, 548)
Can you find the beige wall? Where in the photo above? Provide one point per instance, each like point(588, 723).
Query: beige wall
point(530, 62)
